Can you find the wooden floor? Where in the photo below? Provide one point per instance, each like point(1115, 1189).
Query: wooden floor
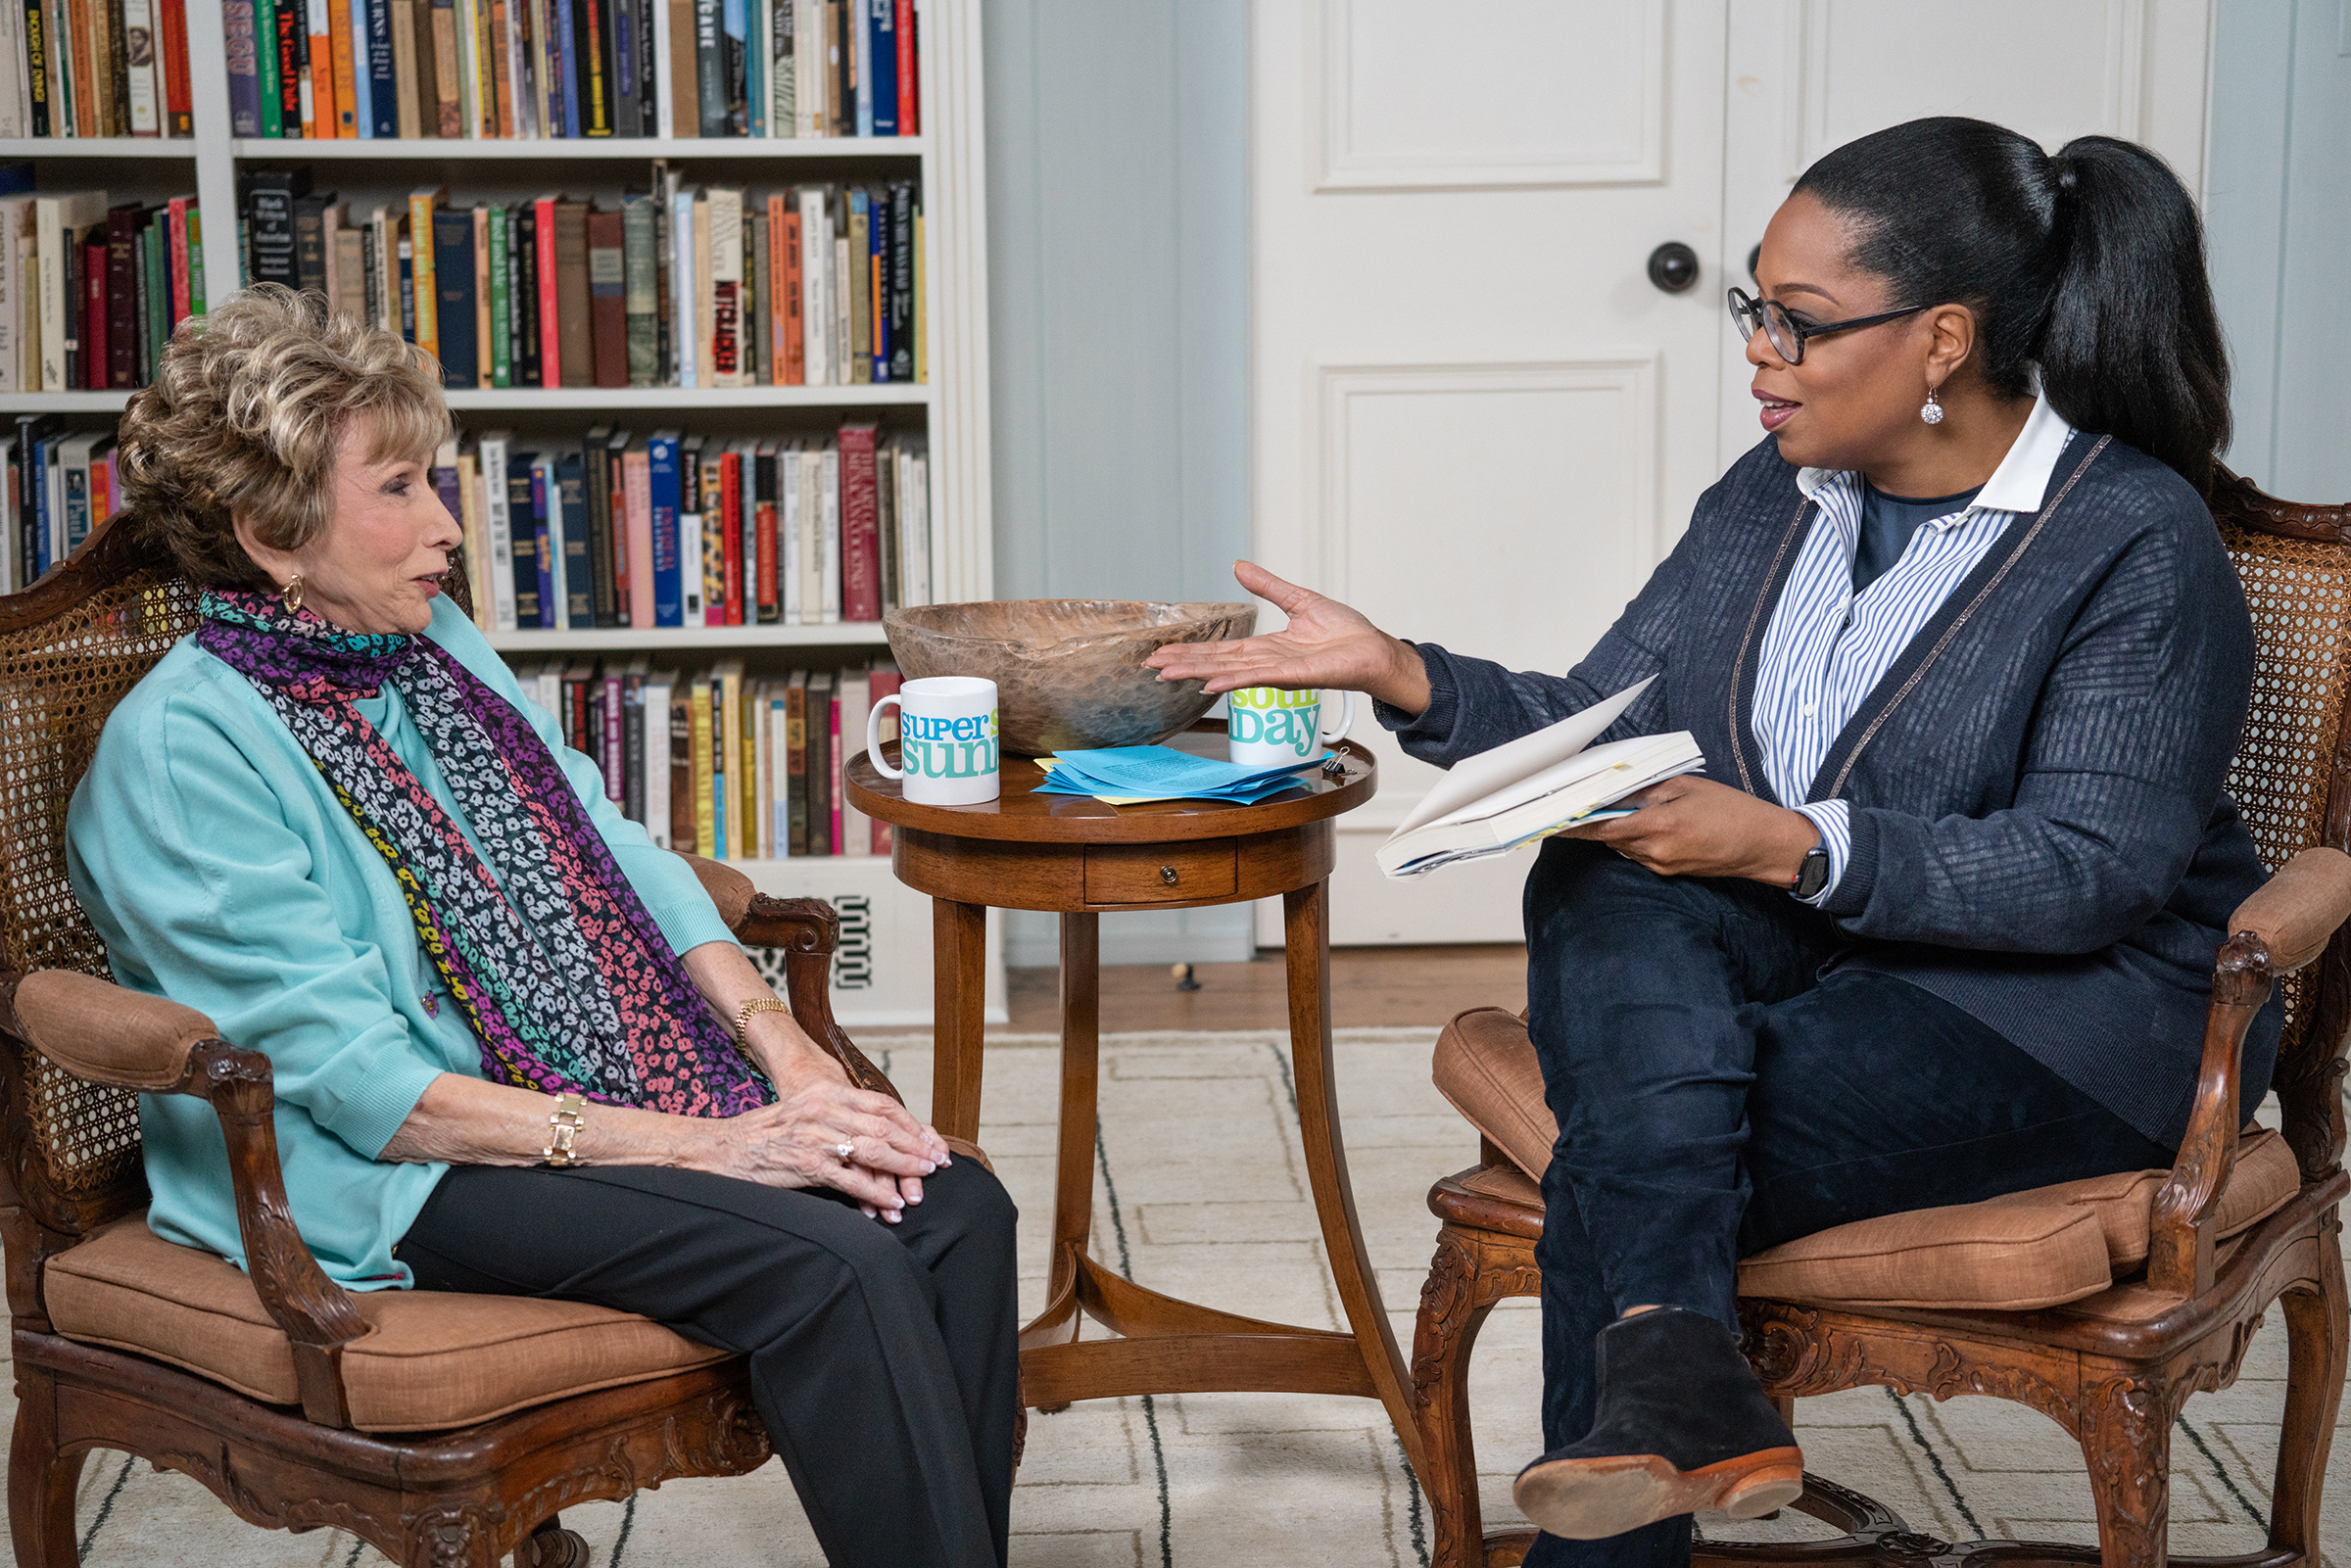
point(1370, 987)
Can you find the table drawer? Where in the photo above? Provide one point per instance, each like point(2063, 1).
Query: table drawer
point(1161, 874)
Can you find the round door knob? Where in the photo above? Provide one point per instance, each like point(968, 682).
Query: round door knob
point(1167, 874)
point(1673, 267)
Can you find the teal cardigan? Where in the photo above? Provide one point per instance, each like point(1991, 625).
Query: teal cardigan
point(223, 873)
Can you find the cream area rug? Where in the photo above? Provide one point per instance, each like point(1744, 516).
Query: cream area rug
point(1202, 1192)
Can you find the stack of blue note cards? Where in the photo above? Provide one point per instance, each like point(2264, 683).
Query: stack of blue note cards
point(1127, 775)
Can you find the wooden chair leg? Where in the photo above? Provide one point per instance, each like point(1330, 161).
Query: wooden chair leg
point(550, 1546)
point(2127, 1443)
point(1450, 1317)
point(41, 1480)
point(2318, 1327)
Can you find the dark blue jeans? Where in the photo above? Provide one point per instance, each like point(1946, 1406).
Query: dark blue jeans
point(1715, 1096)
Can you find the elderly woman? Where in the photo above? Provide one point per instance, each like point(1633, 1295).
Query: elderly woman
point(515, 1049)
point(1968, 663)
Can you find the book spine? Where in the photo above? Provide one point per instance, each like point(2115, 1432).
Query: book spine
point(607, 298)
point(704, 794)
point(501, 303)
point(596, 497)
point(498, 528)
point(420, 233)
point(860, 526)
point(709, 67)
point(910, 112)
point(632, 747)
point(287, 19)
point(635, 505)
point(113, 295)
point(641, 289)
point(324, 110)
point(381, 90)
point(447, 92)
point(663, 499)
point(244, 67)
point(455, 308)
point(566, 69)
point(342, 52)
point(901, 280)
point(551, 354)
point(524, 542)
point(764, 575)
point(503, 54)
point(796, 762)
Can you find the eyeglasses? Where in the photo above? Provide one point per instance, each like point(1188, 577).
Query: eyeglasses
point(1785, 334)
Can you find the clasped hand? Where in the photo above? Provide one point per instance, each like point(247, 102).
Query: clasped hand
point(796, 1141)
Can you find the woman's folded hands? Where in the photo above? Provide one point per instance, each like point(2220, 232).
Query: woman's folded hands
point(798, 1140)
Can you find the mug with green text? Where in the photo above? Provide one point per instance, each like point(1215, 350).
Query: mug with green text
point(946, 740)
point(1267, 727)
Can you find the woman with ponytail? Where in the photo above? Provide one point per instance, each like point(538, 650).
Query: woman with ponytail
point(1968, 664)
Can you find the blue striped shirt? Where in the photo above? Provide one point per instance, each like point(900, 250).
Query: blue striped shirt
point(1826, 646)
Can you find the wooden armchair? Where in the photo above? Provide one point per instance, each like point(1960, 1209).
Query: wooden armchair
point(443, 1429)
point(2101, 1303)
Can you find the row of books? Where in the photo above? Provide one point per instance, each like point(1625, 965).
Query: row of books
point(626, 531)
point(506, 68)
point(94, 67)
point(61, 484)
point(821, 285)
point(90, 291)
point(716, 763)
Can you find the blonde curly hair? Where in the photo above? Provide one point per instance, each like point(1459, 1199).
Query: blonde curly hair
point(245, 415)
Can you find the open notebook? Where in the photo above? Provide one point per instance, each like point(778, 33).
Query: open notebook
point(1529, 789)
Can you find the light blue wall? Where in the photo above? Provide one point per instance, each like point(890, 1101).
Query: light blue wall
point(1118, 204)
point(2278, 209)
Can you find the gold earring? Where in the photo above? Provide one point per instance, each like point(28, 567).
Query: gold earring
point(291, 595)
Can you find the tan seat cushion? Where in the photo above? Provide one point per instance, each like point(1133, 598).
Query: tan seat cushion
point(2030, 1249)
point(435, 1360)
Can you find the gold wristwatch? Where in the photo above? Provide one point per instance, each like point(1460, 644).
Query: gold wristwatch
point(563, 1124)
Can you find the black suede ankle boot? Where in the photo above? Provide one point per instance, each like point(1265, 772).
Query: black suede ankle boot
point(1682, 1426)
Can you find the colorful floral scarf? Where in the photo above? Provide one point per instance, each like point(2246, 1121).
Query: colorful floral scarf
point(549, 952)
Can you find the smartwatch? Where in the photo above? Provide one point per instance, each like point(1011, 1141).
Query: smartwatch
point(1815, 874)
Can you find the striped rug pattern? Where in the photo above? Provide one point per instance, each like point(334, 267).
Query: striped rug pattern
point(1202, 1193)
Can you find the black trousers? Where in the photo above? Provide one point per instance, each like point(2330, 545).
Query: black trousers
point(1715, 1097)
point(882, 1358)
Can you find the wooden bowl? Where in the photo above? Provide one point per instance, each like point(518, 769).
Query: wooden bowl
point(1068, 672)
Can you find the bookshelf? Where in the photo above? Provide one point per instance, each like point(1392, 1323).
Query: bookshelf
point(949, 409)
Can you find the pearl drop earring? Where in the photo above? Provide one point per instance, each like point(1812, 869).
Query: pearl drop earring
point(1932, 414)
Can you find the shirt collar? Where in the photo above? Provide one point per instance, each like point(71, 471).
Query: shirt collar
point(2018, 485)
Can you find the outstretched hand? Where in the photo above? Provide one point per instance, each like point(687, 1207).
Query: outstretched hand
point(1328, 645)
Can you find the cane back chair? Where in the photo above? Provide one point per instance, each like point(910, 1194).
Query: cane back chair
point(443, 1429)
point(2101, 1303)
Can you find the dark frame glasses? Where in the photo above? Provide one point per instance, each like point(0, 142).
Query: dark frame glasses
point(1785, 334)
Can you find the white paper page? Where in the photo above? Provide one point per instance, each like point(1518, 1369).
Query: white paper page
point(1638, 753)
point(1512, 760)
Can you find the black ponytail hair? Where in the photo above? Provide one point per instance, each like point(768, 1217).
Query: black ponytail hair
point(2089, 264)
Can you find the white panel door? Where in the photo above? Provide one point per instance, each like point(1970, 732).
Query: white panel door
point(1809, 76)
point(1476, 419)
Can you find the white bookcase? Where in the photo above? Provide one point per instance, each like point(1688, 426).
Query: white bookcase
point(950, 408)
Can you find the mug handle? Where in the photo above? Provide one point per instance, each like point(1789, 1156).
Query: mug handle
point(873, 737)
point(1346, 717)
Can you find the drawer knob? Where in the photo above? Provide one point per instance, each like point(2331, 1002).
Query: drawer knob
point(1167, 874)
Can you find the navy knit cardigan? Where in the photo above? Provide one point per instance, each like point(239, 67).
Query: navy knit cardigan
point(2040, 833)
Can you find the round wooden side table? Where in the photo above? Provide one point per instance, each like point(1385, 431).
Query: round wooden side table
point(1078, 857)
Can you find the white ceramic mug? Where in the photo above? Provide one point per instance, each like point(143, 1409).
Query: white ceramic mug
point(1266, 727)
point(946, 740)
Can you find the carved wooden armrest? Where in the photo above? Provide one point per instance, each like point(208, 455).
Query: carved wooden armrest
point(2285, 925)
point(807, 930)
point(104, 1033)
